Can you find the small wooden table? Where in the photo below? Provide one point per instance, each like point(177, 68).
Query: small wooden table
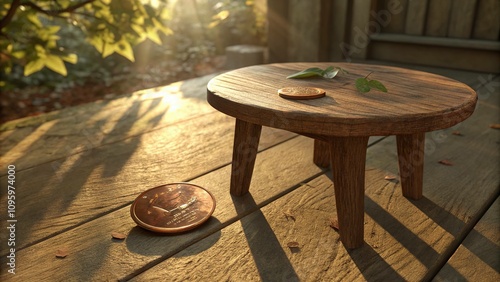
point(341, 123)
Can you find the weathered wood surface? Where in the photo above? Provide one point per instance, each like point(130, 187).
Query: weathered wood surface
point(487, 25)
point(50, 137)
point(415, 17)
point(438, 15)
point(478, 257)
point(462, 18)
point(88, 197)
point(415, 101)
point(405, 240)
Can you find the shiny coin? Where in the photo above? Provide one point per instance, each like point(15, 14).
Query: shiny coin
point(173, 208)
point(301, 93)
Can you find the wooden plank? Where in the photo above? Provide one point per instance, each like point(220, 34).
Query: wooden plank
point(436, 56)
point(82, 128)
point(338, 29)
point(76, 189)
point(438, 15)
point(119, 260)
point(477, 258)
point(278, 30)
point(397, 23)
point(99, 257)
point(438, 41)
point(487, 25)
point(304, 30)
point(416, 17)
point(462, 18)
point(359, 39)
point(405, 240)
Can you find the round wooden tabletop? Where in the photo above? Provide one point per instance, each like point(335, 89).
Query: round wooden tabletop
point(415, 102)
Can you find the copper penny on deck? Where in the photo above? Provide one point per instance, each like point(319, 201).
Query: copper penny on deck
point(173, 208)
point(301, 93)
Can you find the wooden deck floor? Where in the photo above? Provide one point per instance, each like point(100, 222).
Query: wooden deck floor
point(78, 171)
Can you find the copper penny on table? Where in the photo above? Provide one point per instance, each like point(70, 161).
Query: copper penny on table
point(173, 208)
point(301, 93)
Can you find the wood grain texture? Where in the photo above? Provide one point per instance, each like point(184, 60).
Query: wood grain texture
point(438, 16)
point(80, 129)
point(245, 147)
point(416, 101)
point(416, 17)
point(321, 154)
point(411, 149)
point(397, 22)
point(437, 56)
point(348, 156)
point(487, 25)
point(82, 203)
point(95, 256)
point(404, 239)
point(304, 30)
point(462, 18)
point(477, 258)
point(70, 191)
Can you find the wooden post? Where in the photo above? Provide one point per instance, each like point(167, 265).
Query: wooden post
point(246, 143)
point(348, 158)
point(411, 163)
point(278, 30)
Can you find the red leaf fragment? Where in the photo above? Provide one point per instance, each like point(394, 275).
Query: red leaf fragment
point(495, 126)
point(62, 253)
point(446, 162)
point(334, 223)
point(457, 133)
point(118, 235)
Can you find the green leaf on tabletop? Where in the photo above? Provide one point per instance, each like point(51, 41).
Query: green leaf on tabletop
point(331, 73)
point(307, 73)
point(377, 85)
point(362, 85)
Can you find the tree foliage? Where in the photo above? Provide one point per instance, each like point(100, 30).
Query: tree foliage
point(30, 30)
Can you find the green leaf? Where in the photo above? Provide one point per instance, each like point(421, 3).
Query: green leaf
point(362, 85)
point(377, 85)
point(33, 66)
point(56, 64)
point(331, 73)
point(70, 58)
point(307, 73)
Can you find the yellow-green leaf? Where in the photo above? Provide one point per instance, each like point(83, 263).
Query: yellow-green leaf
point(33, 66)
point(222, 15)
point(153, 36)
point(71, 58)
point(56, 64)
point(123, 48)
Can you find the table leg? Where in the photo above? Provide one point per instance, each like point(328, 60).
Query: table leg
point(246, 143)
point(321, 155)
point(348, 158)
point(411, 163)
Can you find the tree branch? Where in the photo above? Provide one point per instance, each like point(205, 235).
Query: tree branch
point(56, 12)
point(10, 14)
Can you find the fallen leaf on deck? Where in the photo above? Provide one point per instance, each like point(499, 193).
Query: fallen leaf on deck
point(289, 215)
point(495, 126)
point(334, 223)
point(118, 235)
point(390, 177)
point(62, 253)
point(458, 133)
point(445, 162)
